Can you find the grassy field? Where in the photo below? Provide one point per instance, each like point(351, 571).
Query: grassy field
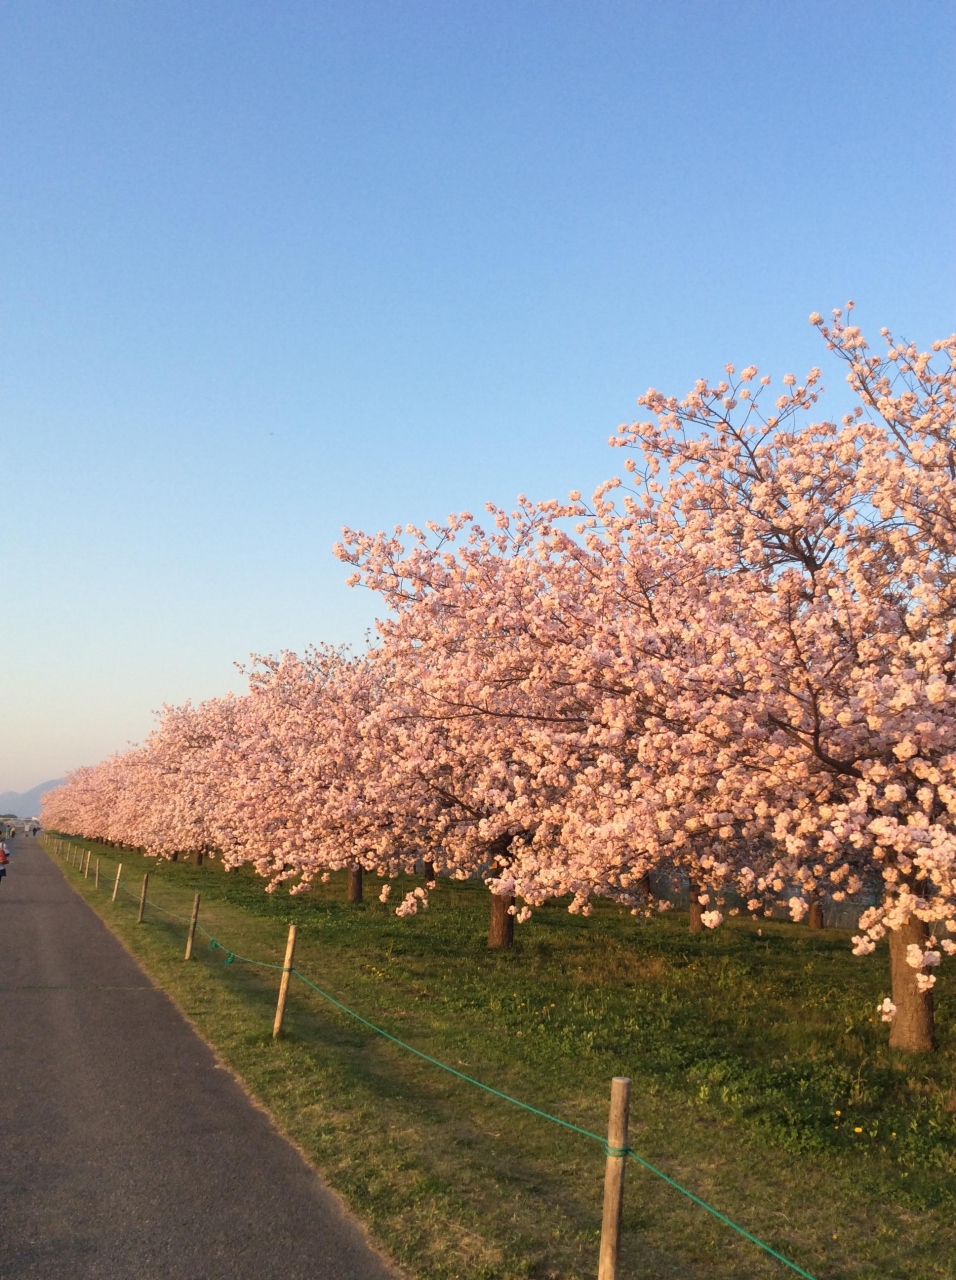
point(761, 1079)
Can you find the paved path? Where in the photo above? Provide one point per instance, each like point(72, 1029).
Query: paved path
point(125, 1152)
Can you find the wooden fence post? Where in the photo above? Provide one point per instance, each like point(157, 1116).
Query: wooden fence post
point(192, 929)
point(86, 866)
point(142, 899)
point(96, 876)
point(284, 984)
point(614, 1177)
point(119, 868)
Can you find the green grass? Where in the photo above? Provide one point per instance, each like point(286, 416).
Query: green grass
point(754, 1062)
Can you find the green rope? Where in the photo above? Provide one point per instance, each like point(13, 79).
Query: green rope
point(435, 1062)
point(720, 1216)
point(214, 943)
point(566, 1124)
point(232, 956)
point(157, 907)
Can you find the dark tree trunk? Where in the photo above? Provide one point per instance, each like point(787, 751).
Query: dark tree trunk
point(501, 927)
point(429, 869)
point(175, 857)
point(355, 882)
point(198, 858)
point(815, 919)
point(696, 910)
point(913, 1029)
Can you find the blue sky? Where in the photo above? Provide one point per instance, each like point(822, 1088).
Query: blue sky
point(272, 268)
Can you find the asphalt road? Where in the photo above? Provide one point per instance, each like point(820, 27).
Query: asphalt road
point(125, 1152)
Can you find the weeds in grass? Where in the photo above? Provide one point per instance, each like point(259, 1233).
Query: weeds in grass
point(762, 1079)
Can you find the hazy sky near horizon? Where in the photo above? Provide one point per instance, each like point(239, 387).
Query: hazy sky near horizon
point(274, 268)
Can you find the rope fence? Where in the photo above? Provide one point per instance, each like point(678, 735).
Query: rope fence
point(615, 1146)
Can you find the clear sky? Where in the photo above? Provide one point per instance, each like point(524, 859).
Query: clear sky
point(271, 268)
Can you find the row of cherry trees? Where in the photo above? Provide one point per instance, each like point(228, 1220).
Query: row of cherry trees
point(738, 666)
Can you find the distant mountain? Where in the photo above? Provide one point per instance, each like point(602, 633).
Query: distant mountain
point(26, 804)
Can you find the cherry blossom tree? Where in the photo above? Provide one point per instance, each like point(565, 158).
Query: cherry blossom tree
point(737, 667)
point(825, 552)
point(481, 714)
point(534, 690)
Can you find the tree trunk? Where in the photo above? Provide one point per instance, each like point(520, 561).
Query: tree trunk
point(913, 1029)
point(175, 857)
point(696, 910)
point(501, 927)
point(815, 919)
point(355, 882)
point(198, 858)
point(429, 869)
